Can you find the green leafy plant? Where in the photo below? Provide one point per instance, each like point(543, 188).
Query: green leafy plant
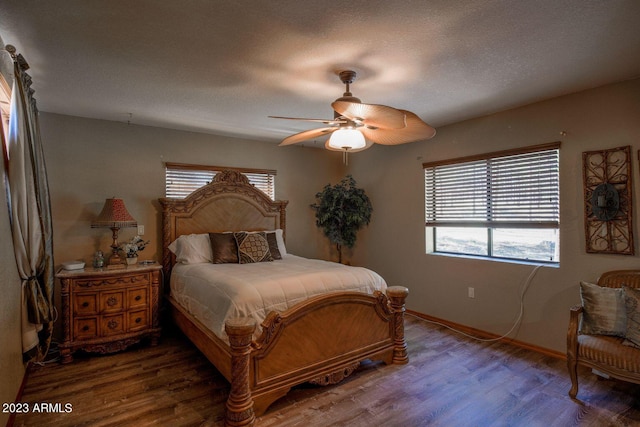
point(342, 210)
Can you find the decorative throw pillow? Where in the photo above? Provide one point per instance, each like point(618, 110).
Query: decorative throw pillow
point(273, 245)
point(604, 310)
point(632, 305)
point(252, 247)
point(224, 249)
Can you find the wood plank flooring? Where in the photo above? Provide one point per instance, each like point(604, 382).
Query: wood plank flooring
point(450, 381)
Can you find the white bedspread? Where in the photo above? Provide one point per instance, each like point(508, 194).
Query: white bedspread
point(216, 292)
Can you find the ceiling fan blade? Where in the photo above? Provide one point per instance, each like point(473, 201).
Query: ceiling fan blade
point(325, 121)
point(307, 134)
point(375, 115)
point(416, 130)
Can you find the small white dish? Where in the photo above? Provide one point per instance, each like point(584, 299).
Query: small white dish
point(73, 265)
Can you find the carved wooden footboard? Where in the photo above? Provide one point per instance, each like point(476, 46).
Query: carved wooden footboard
point(322, 341)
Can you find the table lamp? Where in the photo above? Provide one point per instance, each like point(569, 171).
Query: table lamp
point(115, 216)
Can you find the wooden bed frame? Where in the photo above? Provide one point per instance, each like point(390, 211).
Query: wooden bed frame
point(321, 340)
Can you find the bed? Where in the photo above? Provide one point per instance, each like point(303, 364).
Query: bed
point(321, 338)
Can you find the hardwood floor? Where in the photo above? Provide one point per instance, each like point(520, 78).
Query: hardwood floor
point(450, 381)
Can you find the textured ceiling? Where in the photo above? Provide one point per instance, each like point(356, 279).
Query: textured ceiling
point(223, 66)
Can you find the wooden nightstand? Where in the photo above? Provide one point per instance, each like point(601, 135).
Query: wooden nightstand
point(106, 310)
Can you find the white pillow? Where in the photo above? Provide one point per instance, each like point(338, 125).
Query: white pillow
point(192, 249)
point(280, 240)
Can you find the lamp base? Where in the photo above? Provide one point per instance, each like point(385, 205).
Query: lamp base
point(115, 259)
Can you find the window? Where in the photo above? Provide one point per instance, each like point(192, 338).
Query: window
point(182, 179)
point(499, 205)
point(5, 109)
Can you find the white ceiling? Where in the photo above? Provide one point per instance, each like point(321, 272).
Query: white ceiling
point(222, 66)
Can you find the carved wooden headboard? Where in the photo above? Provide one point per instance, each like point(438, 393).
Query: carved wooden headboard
point(228, 203)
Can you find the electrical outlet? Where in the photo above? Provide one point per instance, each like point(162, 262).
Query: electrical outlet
point(140, 230)
point(472, 292)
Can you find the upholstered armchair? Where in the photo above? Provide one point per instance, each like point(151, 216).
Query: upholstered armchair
point(604, 332)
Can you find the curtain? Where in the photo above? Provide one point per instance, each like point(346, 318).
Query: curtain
point(30, 214)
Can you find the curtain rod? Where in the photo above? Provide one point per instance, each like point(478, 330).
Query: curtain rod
point(24, 66)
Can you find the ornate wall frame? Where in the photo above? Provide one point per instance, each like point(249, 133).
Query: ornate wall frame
point(608, 204)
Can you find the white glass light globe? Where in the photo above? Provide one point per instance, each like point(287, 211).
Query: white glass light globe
point(347, 139)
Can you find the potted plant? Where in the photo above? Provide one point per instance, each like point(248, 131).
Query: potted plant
point(132, 247)
point(342, 210)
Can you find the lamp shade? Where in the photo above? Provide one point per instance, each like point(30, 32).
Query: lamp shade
point(114, 215)
point(347, 139)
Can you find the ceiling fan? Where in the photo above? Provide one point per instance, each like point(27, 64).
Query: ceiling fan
point(356, 126)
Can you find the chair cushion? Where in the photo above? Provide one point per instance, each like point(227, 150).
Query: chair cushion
point(609, 351)
point(604, 310)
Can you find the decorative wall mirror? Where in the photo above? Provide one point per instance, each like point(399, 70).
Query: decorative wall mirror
point(608, 201)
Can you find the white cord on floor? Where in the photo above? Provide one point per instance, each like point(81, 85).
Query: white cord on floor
point(525, 286)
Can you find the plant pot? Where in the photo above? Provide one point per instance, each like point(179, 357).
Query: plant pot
point(132, 260)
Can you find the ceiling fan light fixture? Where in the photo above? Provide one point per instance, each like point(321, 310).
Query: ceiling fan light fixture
point(357, 126)
point(347, 139)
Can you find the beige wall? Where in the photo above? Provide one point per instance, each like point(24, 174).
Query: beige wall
point(394, 243)
point(90, 160)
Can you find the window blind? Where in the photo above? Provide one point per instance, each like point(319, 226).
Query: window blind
point(182, 179)
point(511, 189)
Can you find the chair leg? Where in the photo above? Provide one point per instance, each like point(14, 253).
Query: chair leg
point(572, 365)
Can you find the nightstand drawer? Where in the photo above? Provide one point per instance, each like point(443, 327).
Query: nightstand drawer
point(126, 279)
point(112, 325)
point(85, 304)
point(137, 297)
point(138, 320)
point(85, 328)
point(111, 302)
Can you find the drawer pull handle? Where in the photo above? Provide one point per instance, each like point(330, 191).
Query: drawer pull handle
point(112, 324)
point(112, 301)
point(85, 328)
point(138, 298)
point(85, 304)
point(138, 320)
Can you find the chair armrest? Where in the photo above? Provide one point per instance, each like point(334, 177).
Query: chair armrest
point(572, 333)
point(576, 310)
